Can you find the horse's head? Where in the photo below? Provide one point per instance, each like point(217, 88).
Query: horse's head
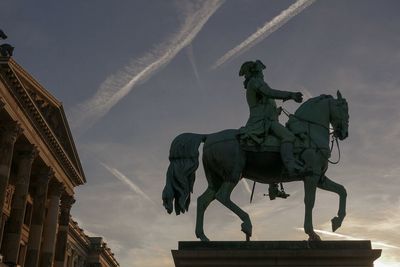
point(339, 116)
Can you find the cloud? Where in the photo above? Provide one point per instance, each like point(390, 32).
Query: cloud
point(265, 31)
point(120, 176)
point(192, 59)
point(348, 237)
point(119, 84)
point(246, 185)
point(306, 94)
point(389, 256)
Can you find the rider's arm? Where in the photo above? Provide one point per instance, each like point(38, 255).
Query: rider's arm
point(264, 88)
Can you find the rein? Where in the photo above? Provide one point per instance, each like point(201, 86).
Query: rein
point(334, 139)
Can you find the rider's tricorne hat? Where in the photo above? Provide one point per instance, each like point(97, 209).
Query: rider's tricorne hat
point(251, 66)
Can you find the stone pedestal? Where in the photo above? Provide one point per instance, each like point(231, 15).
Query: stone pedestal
point(275, 254)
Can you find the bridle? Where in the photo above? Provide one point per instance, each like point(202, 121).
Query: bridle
point(331, 133)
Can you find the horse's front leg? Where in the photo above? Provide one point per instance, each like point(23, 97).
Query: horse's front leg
point(329, 185)
point(310, 186)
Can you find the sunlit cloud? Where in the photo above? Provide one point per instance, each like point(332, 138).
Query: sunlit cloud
point(380, 263)
point(119, 84)
point(265, 31)
point(348, 237)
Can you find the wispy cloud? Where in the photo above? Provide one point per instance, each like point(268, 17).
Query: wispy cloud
point(190, 54)
point(119, 84)
point(120, 176)
point(265, 31)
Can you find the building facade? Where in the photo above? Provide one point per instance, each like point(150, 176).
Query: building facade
point(83, 250)
point(39, 169)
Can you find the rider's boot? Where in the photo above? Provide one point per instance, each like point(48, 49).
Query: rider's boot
point(274, 192)
point(293, 167)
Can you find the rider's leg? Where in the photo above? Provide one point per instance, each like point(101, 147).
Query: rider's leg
point(287, 139)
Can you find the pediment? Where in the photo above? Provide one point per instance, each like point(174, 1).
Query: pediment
point(53, 113)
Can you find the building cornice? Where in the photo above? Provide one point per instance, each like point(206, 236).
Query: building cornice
point(78, 233)
point(95, 244)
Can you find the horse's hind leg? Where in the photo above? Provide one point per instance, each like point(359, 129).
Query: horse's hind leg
point(224, 196)
point(339, 189)
point(202, 203)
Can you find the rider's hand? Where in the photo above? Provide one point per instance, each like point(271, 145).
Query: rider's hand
point(298, 97)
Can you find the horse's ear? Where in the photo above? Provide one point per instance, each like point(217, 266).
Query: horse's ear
point(339, 95)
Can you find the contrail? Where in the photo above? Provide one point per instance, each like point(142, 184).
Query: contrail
point(118, 85)
point(192, 60)
point(265, 31)
point(120, 176)
point(380, 244)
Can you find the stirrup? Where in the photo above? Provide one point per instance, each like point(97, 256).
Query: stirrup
point(274, 192)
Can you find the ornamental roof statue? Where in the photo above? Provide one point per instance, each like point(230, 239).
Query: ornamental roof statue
point(6, 50)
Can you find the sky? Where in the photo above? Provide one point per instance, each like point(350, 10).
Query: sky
point(132, 75)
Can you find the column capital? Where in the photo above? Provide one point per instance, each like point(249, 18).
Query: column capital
point(26, 152)
point(65, 208)
point(66, 202)
point(55, 188)
point(10, 131)
point(42, 181)
point(44, 175)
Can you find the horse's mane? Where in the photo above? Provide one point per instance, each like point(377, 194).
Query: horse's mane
point(307, 109)
point(309, 105)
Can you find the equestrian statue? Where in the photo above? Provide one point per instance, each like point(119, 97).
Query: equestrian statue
point(263, 151)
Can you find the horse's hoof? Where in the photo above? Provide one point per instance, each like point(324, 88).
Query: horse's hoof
point(336, 223)
point(247, 237)
point(202, 237)
point(314, 237)
point(247, 229)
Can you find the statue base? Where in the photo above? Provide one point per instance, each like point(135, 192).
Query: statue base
point(275, 253)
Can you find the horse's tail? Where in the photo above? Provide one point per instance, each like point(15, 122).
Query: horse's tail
point(184, 161)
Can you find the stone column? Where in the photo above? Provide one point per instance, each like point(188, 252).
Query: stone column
point(50, 225)
point(38, 215)
point(63, 222)
point(24, 158)
point(9, 133)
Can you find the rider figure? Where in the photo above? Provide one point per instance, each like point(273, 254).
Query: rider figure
point(264, 114)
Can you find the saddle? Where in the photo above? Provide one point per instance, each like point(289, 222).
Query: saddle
point(271, 144)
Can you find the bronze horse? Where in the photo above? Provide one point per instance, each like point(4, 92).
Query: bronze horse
point(225, 163)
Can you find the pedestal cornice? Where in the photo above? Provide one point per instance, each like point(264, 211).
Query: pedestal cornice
point(275, 253)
